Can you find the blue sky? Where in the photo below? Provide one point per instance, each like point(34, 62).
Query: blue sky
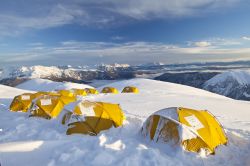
point(80, 32)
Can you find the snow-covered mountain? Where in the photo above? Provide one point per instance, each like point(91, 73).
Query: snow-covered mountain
point(13, 75)
point(32, 72)
point(106, 71)
point(56, 71)
point(234, 84)
point(111, 67)
point(33, 141)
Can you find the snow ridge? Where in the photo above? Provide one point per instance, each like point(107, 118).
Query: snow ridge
point(242, 77)
point(234, 84)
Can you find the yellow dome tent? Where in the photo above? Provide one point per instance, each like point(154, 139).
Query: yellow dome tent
point(79, 92)
point(130, 89)
point(49, 106)
point(91, 91)
point(194, 130)
point(94, 117)
point(68, 93)
point(22, 102)
point(42, 93)
point(72, 92)
point(109, 90)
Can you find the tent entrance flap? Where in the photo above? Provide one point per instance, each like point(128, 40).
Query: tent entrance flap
point(109, 90)
point(130, 89)
point(91, 126)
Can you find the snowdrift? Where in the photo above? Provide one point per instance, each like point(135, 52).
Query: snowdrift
point(46, 143)
point(10, 92)
point(47, 85)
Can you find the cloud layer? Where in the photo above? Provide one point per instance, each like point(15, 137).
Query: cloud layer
point(79, 53)
point(24, 16)
point(19, 15)
point(246, 38)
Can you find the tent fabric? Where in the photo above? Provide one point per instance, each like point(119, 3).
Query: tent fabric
point(130, 89)
point(91, 91)
point(192, 129)
point(68, 93)
point(109, 90)
point(211, 131)
point(50, 106)
point(22, 102)
point(95, 117)
point(79, 92)
point(73, 92)
point(42, 93)
point(92, 126)
point(36, 103)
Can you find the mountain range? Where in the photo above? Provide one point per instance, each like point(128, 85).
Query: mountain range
point(229, 80)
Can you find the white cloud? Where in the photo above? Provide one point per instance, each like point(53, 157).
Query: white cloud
point(18, 16)
point(14, 24)
point(146, 9)
point(246, 38)
point(216, 42)
point(202, 44)
point(224, 42)
point(38, 48)
point(75, 52)
point(117, 38)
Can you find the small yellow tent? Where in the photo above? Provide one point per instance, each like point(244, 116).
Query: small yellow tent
point(79, 92)
point(130, 89)
point(41, 93)
point(68, 93)
point(96, 117)
point(91, 91)
point(72, 92)
point(49, 106)
point(194, 130)
point(109, 90)
point(22, 102)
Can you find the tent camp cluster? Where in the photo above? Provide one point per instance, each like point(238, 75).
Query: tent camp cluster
point(86, 117)
point(193, 130)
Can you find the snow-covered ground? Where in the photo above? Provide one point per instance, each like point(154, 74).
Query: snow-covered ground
point(47, 85)
point(98, 83)
point(7, 92)
point(32, 141)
